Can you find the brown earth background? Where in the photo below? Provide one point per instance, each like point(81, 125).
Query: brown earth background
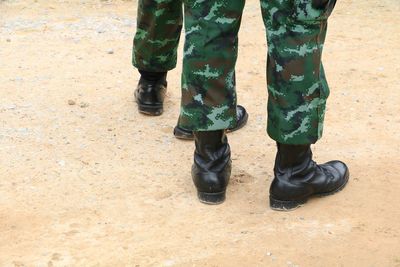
point(97, 184)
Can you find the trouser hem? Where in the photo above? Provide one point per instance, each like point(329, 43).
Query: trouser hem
point(299, 140)
point(150, 69)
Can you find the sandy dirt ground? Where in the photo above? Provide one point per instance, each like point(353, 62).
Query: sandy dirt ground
point(97, 184)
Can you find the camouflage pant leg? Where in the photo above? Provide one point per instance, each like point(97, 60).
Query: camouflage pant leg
point(159, 24)
point(210, 52)
point(297, 87)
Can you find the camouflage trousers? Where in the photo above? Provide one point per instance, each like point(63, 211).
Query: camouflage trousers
point(297, 87)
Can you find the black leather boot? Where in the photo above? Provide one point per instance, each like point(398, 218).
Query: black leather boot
point(211, 169)
point(298, 177)
point(149, 96)
point(241, 119)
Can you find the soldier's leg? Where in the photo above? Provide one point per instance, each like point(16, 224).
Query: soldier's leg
point(210, 52)
point(159, 24)
point(208, 90)
point(297, 95)
point(208, 79)
point(297, 87)
point(155, 44)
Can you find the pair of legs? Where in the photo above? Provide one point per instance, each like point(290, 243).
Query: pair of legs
point(156, 41)
point(297, 88)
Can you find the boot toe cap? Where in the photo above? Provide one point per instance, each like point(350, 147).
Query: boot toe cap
point(337, 168)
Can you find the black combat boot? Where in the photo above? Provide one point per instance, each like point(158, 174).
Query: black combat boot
point(241, 120)
point(211, 169)
point(298, 177)
point(150, 93)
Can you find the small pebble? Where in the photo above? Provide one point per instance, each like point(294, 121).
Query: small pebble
point(269, 253)
point(12, 106)
point(17, 79)
point(8, 40)
point(84, 105)
point(110, 51)
point(71, 102)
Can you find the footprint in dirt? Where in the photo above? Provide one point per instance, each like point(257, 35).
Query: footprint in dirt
point(242, 178)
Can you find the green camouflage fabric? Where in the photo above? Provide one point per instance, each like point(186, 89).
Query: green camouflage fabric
point(208, 74)
point(159, 24)
point(297, 86)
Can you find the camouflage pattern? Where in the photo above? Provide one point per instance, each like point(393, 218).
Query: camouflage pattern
point(209, 58)
point(159, 24)
point(297, 86)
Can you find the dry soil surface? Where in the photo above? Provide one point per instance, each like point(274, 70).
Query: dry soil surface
point(87, 181)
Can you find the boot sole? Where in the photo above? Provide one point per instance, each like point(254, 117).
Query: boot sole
point(284, 205)
point(150, 110)
point(211, 198)
point(183, 135)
